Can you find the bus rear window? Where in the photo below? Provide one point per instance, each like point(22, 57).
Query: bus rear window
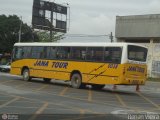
point(137, 53)
point(113, 54)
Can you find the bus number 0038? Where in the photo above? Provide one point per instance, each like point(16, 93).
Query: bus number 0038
point(113, 66)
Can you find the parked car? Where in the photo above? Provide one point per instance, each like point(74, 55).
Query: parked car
point(6, 67)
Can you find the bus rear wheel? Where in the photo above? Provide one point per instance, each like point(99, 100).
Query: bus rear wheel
point(26, 75)
point(47, 80)
point(97, 87)
point(76, 81)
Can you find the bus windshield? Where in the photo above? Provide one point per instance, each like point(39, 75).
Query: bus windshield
point(137, 53)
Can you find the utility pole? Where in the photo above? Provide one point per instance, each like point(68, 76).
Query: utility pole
point(20, 30)
point(111, 37)
point(51, 27)
point(32, 29)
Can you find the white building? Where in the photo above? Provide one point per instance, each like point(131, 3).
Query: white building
point(142, 29)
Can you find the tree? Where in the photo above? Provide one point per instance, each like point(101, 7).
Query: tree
point(9, 32)
point(44, 36)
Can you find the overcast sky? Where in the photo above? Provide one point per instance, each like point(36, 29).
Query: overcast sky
point(95, 17)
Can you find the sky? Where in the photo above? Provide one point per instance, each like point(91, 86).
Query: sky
point(91, 17)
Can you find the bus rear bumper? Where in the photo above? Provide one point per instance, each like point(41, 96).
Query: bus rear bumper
point(132, 81)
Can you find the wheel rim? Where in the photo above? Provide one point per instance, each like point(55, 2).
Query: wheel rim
point(26, 75)
point(76, 80)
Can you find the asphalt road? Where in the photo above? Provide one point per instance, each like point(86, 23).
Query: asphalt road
point(36, 100)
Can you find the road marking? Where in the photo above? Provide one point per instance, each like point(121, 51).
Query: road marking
point(75, 99)
point(39, 111)
point(22, 107)
point(43, 86)
point(2, 81)
point(7, 81)
point(82, 111)
point(67, 106)
point(121, 100)
point(52, 103)
point(44, 106)
point(153, 109)
point(148, 100)
point(20, 85)
point(8, 74)
point(89, 95)
point(7, 103)
point(63, 91)
point(80, 99)
point(85, 117)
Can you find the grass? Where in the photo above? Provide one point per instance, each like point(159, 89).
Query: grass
point(153, 79)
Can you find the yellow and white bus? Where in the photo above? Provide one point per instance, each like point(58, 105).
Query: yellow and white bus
point(93, 64)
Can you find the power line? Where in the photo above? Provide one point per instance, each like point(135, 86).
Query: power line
point(85, 35)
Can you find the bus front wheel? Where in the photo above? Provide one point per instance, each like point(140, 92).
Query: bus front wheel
point(26, 75)
point(76, 81)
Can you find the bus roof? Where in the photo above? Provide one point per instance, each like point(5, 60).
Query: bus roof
point(77, 44)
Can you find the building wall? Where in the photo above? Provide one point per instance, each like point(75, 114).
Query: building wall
point(138, 26)
point(153, 59)
point(142, 29)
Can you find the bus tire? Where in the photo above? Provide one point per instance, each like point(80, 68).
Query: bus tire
point(76, 81)
point(26, 75)
point(47, 80)
point(97, 87)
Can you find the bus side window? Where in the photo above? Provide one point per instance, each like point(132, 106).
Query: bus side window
point(95, 54)
point(37, 52)
point(52, 52)
point(63, 52)
point(113, 54)
point(18, 53)
point(26, 52)
point(47, 52)
point(107, 55)
point(78, 53)
point(83, 54)
point(59, 53)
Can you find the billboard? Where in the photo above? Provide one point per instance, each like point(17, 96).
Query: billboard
point(45, 16)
